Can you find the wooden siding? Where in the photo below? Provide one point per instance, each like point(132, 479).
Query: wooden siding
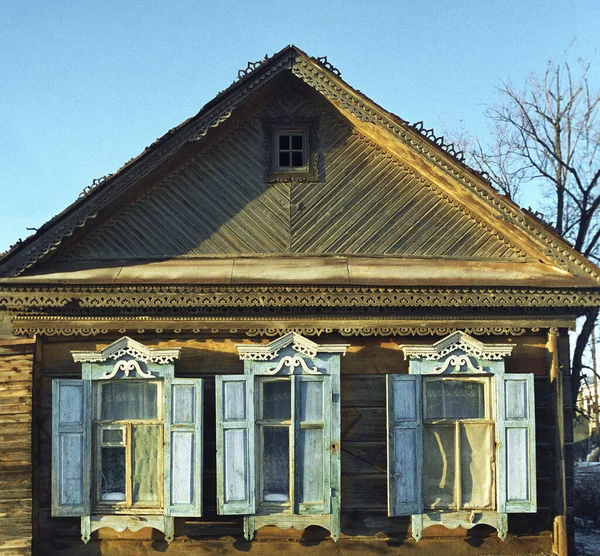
point(364, 480)
point(365, 202)
point(16, 499)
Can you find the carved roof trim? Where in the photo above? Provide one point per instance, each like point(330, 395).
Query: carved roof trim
point(322, 78)
point(299, 343)
point(127, 346)
point(457, 341)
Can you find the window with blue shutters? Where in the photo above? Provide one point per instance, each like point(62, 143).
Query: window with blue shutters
point(461, 436)
point(278, 436)
point(127, 440)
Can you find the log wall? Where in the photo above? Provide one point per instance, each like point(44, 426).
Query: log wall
point(365, 524)
point(16, 498)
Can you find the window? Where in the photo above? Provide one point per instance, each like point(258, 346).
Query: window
point(278, 436)
point(128, 434)
point(127, 440)
point(291, 151)
point(457, 444)
point(457, 424)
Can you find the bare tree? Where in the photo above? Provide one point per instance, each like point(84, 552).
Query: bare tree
point(547, 136)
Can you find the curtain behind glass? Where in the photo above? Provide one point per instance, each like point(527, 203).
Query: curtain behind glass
point(126, 399)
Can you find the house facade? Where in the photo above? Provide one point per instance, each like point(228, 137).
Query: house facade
point(295, 322)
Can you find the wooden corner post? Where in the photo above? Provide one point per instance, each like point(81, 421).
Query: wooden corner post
point(560, 544)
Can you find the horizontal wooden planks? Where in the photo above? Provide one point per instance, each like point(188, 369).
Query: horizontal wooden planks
point(16, 500)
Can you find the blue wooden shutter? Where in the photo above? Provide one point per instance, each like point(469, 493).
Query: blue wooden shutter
point(71, 447)
point(183, 447)
point(516, 452)
point(313, 444)
point(405, 445)
point(235, 444)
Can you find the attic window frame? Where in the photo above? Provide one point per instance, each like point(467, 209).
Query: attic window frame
point(274, 129)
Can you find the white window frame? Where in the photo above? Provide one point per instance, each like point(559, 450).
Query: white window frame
point(99, 425)
point(238, 398)
point(75, 463)
point(511, 407)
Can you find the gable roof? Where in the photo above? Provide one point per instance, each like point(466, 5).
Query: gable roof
point(510, 231)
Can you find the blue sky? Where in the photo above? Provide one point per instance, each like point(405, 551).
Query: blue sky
point(85, 86)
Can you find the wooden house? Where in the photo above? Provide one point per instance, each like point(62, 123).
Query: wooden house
point(295, 322)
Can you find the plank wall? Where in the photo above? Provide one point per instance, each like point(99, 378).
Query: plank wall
point(364, 497)
point(16, 362)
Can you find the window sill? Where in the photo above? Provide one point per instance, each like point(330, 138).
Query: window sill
point(120, 523)
point(464, 518)
point(286, 520)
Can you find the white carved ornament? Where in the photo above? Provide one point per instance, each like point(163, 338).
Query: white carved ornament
point(270, 351)
point(292, 363)
point(458, 341)
point(127, 367)
point(458, 361)
point(126, 346)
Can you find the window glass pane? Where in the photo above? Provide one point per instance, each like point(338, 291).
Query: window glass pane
point(311, 400)
point(284, 142)
point(112, 435)
point(284, 159)
point(434, 400)
point(112, 483)
point(439, 466)
point(276, 460)
point(277, 400)
point(476, 465)
point(310, 465)
point(145, 454)
point(454, 399)
point(297, 159)
point(297, 142)
point(124, 399)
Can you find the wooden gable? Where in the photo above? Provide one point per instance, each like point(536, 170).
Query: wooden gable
point(365, 201)
point(380, 189)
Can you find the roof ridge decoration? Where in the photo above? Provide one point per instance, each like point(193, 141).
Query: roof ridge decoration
point(299, 343)
point(317, 74)
point(457, 341)
point(126, 346)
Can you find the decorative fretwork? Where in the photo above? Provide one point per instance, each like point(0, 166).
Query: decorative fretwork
point(263, 297)
point(251, 67)
point(270, 351)
point(458, 362)
point(291, 363)
point(439, 141)
point(458, 341)
point(127, 367)
point(127, 347)
point(328, 65)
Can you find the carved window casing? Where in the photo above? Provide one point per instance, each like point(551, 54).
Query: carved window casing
point(278, 436)
point(127, 441)
point(461, 444)
point(291, 151)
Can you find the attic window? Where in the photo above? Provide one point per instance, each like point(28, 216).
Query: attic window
point(290, 151)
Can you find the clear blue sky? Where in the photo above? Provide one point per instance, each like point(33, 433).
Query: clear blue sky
point(85, 86)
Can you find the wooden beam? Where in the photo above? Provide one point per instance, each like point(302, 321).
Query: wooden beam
point(560, 545)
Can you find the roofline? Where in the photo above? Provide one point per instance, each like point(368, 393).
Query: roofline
point(219, 109)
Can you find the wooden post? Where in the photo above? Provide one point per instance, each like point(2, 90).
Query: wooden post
point(595, 417)
point(560, 538)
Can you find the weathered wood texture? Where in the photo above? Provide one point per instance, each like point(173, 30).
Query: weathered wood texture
point(364, 460)
point(365, 201)
point(16, 363)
